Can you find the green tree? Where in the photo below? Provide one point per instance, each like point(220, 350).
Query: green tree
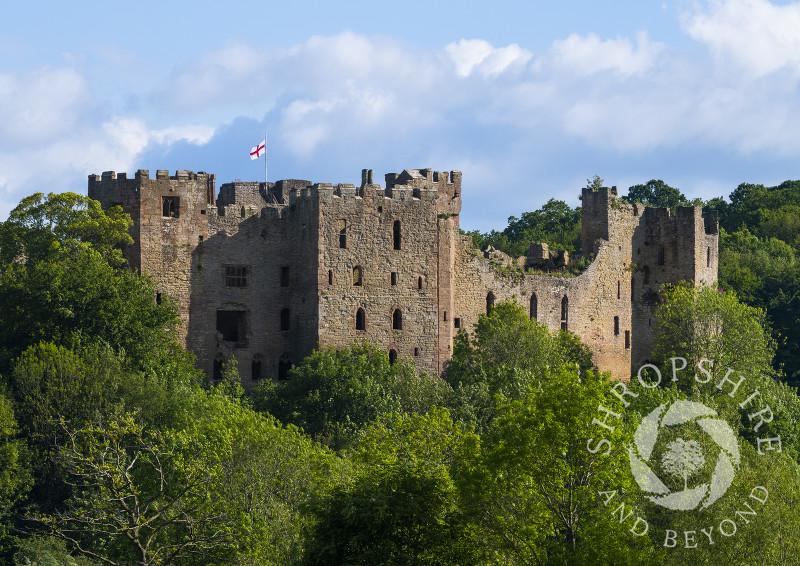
point(402, 506)
point(656, 193)
point(333, 393)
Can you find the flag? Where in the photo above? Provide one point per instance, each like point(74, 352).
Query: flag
point(259, 150)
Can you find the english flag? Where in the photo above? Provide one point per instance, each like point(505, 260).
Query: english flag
point(259, 150)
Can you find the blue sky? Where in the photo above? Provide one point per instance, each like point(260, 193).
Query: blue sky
point(528, 99)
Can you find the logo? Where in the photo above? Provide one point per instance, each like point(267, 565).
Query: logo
point(684, 456)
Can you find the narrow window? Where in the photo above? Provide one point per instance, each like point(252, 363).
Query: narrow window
point(648, 322)
point(170, 207)
point(284, 365)
point(419, 283)
point(619, 289)
point(627, 339)
point(244, 213)
point(534, 307)
point(616, 326)
point(396, 233)
point(397, 319)
point(708, 256)
point(285, 276)
point(564, 313)
point(342, 233)
point(285, 314)
point(660, 255)
point(361, 319)
point(256, 368)
point(199, 239)
point(380, 209)
point(394, 278)
point(445, 316)
point(489, 303)
point(416, 352)
point(217, 373)
point(158, 298)
point(330, 277)
point(203, 211)
point(358, 279)
point(392, 356)
point(457, 322)
point(633, 295)
point(236, 276)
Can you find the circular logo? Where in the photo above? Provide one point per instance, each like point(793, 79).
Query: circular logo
point(683, 458)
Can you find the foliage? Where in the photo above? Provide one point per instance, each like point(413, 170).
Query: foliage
point(555, 224)
point(47, 551)
point(402, 507)
point(333, 393)
point(656, 193)
point(41, 225)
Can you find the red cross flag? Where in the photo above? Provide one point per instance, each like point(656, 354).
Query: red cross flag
point(259, 150)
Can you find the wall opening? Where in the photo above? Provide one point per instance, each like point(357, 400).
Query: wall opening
point(285, 276)
point(416, 352)
point(627, 339)
point(158, 298)
point(284, 365)
point(616, 326)
point(358, 276)
point(445, 316)
point(217, 371)
point(257, 367)
point(342, 233)
point(396, 233)
point(361, 319)
point(457, 322)
point(534, 311)
point(330, 277)
point(565, 313)
point(489, 303)
point(708, 256)
point(660, 255)
point(394, 278)
point(236, 276)
point(285, 316)
point(619, 289)
point(419, 283)
point(170, 207)
point(633, 295)
point(231, 324)
point(397, 319)
point(392, 356)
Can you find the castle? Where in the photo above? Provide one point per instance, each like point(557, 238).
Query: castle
point(264, 272)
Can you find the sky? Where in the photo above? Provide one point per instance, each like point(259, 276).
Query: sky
point(528, 99)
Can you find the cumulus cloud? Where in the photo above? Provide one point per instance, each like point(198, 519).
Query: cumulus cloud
point(759, 36)
point(587, 55)
point(477, 55)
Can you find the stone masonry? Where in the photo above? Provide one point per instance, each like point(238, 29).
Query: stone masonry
point(264, 272)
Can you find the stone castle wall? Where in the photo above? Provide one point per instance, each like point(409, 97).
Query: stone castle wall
point(266, 272)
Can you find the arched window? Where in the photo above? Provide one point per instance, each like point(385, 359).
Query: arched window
point(358, 276)
point(564, 313)
point(285, 314)
point(396, 234)
point(397, 319)
point(392, 356)
point(284, 365)
point(616, 326)
point(489, 303)
point(256, 367)
point(361, 319)
point(217, 374)
point(534, 307)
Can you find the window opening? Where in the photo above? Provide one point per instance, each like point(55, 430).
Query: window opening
point(330, 277)
point(342, 233)
point(627, 339)
point(231, 324)
point(660, 255)
point(392, 356)
point(358, 278)
point(361, 319)
point(457, 322)
point(256, 368)
point(534, 307)
point(217, 372)
point(170, 207)
point(489, 303)
point(416, 352)
point(235, 276)
point(284, 365)
point(285, 314)
point(564, 313)
point(397, 320)
point(616, 326)
point(619, 289)
point(419, 283)
point(285, 276)
point(396, 234)
point(394, 278)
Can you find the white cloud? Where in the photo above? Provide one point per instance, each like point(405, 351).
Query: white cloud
point(589, 55)
point(471, 55)
point(757, 35)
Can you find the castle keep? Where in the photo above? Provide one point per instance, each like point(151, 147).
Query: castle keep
point(264, 272)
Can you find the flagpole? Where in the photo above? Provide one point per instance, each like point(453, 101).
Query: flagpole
point(266, 186)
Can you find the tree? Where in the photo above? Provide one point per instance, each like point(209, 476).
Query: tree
point(682, 459)
point(656, 193)
point(402, 506)
point(333, 393)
